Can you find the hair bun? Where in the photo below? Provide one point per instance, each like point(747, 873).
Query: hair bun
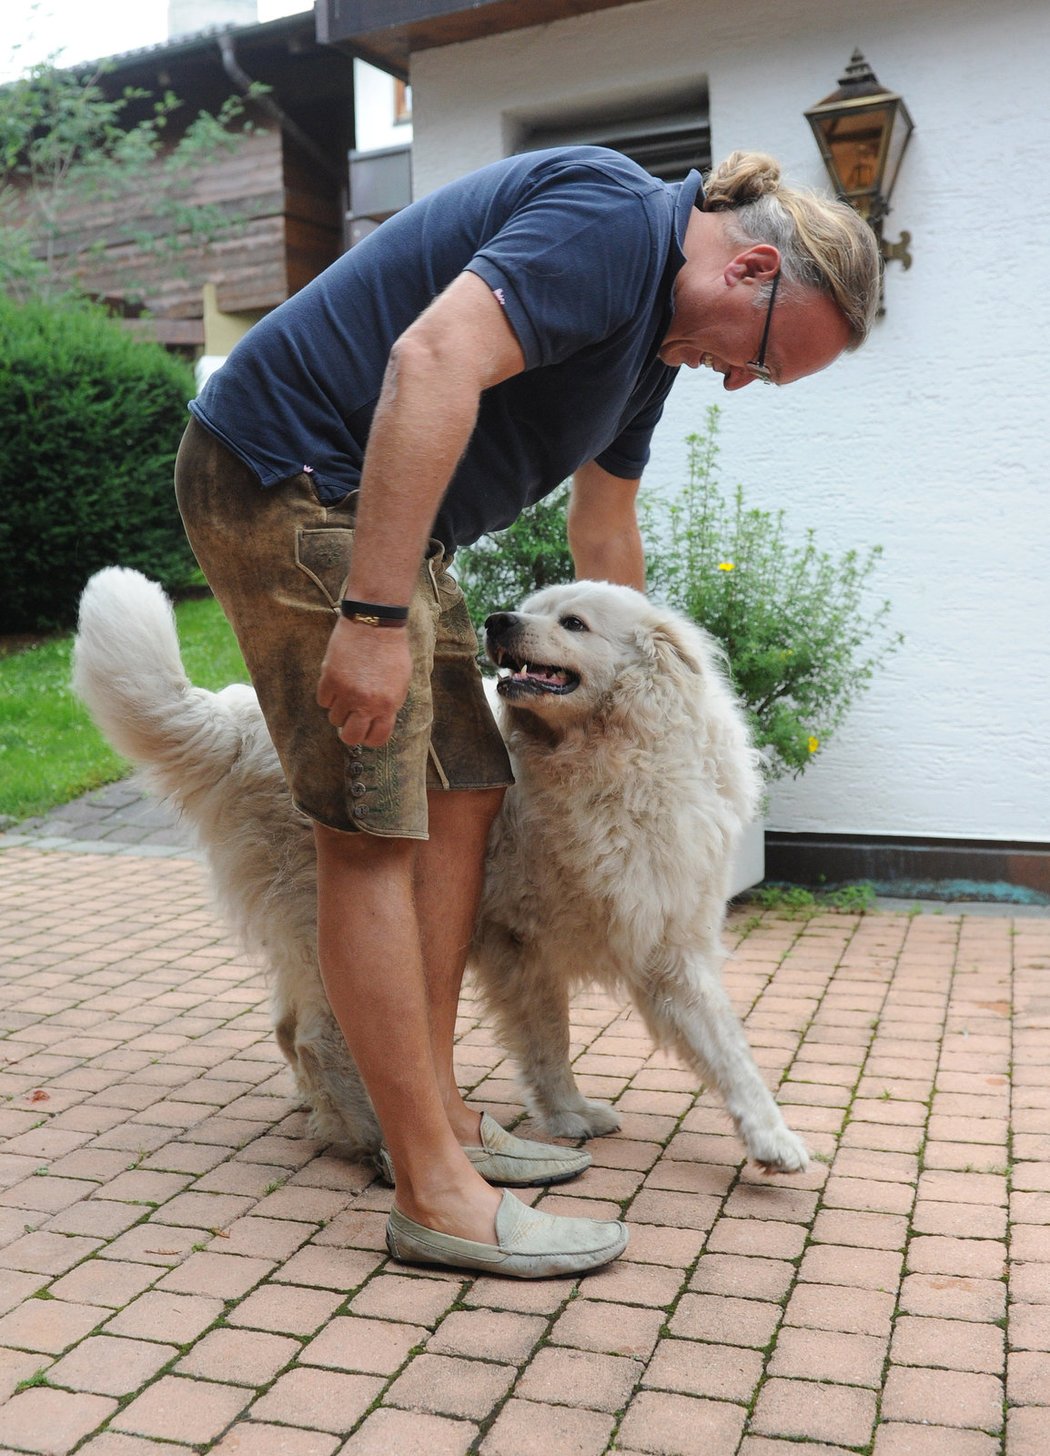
point(743, 177)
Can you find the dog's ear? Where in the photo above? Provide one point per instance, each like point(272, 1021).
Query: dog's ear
point(674, 646)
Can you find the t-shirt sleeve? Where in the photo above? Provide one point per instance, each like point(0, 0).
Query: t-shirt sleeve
point(628, 455)
point(571, 263)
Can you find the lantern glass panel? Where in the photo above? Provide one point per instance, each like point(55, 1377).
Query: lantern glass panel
point(898, 140)
point(854, 144)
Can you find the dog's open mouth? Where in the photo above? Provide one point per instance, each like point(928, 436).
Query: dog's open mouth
point(531, 677)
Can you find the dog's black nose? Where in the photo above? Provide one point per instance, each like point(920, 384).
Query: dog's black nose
point(498, 623)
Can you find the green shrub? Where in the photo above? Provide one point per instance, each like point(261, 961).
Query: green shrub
point(91, 420)
point(802, 641)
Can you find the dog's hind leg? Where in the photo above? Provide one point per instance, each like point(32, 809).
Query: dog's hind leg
point(685, 1005)
point(326, 1076)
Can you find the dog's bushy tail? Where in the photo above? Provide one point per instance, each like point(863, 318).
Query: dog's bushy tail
point(128, 671)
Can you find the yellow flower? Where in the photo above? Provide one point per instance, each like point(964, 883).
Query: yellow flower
point(726, 566)
point(812, 744)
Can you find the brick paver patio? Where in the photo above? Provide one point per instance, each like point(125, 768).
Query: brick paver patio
point(183, 1267)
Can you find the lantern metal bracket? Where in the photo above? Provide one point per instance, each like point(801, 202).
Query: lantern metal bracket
point(897, 252)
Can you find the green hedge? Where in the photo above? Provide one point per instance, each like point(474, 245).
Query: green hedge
point(90, 421)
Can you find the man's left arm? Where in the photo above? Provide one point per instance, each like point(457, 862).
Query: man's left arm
point(602, 524)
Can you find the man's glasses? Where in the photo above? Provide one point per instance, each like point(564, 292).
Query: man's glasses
point(758, 366)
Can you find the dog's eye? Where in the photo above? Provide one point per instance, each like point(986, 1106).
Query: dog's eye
point(573, 624)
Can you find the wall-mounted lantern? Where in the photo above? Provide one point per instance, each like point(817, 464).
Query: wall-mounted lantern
point(862, 130)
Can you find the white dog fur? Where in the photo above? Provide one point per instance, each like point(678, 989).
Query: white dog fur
point(608, 862)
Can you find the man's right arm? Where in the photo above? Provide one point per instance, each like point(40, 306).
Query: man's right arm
point(459, 347)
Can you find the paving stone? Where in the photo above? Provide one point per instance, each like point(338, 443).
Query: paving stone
point(105, 1282)
point(877, 1269)
point(179, 1318)
point(410, 1300)
point(943, 1397)
point(824, 1307)
point(328, 1268)
point(48, 1325)
point(370, 1346)
point(815, 1410)
point(286, 1309)
point(222, 1276)
point(766, 1279)
point(46, 1253)
point(561, 1376)
point(243, 1357)
point(526, 1296)
point(827, 1355)
point(443, 1385)
point(53, 1421)
point(894, 1438)
point(108, 1366)
point(951, 1344)
point(256, 1438)
point(723, 1319)
point(177, 1409)
point(326, 1400)
point(681, 1425)
point(1028, 1378)
point(16, 1366)
point(721, 1372)
point(1026, 1432)
point(527, 1428)
point(608, 1328)
point(488, 1334)
point(408, 1433)
point(262, 1238)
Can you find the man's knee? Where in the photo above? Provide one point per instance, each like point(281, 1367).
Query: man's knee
point(340, 850)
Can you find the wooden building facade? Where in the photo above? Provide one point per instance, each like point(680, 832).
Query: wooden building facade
point(282, 184)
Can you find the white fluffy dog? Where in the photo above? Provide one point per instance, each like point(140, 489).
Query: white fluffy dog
point(610, 859)
point(608, 862)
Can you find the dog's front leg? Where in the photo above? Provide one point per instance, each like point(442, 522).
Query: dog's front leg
point(542, 1051)
point(684, 1003)
point(531, 1006)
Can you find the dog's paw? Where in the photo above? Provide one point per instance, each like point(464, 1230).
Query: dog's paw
point(779, 1151)
point(591, 1119)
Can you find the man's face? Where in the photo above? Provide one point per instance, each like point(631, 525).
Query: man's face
point(717, 325)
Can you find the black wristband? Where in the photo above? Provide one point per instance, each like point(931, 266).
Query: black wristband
point(373, 614)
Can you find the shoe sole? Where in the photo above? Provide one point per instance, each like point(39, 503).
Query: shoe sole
point(566, 1177)
point(499, 1268)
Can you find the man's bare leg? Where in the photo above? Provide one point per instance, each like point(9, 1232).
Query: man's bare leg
point(369, 948)
point(450, 869)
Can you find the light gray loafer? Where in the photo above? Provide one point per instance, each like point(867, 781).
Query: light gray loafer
point(532, 1244)
point(507, 1161)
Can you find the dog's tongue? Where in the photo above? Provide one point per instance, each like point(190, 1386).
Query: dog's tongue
point(542, 674)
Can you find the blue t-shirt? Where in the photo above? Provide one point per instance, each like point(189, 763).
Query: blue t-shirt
point(581, 247)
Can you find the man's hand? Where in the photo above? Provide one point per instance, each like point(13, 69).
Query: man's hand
point(364, 681)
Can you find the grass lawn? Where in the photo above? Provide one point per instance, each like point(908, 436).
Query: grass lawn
point(50, 751)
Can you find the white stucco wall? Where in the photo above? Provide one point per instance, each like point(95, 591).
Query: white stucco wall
point(932, 440)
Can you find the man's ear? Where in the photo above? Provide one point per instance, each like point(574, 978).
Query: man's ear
point(760, 263)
